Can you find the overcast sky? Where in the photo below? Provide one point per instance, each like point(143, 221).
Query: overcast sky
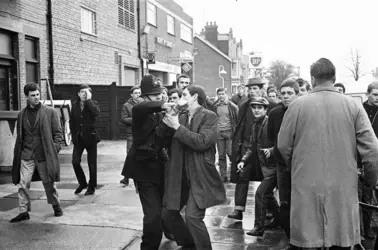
point(297, 31)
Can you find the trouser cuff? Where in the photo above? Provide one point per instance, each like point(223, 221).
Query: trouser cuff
point(240, 208)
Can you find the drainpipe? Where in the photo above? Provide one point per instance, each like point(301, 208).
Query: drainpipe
point(139, 45)
point(50, 48)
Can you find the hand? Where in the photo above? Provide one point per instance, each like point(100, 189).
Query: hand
point(88, 94)
point(266, 152)
point(168, 107)
point(171, 121)
point(240, 166)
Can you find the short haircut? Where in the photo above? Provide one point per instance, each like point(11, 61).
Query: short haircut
point(269, 88)
point(291, 83)
point(134, 88)
point(340, 85)
point(174, 90)
point(182, 76)
point(31, 87)
point(164, 89)
point(323, 70)
point(302, 82)
point(200, 91)
point(221, 90)
point(272, 90)
point(373, 85)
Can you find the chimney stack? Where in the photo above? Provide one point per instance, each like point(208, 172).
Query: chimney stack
point(211, 33)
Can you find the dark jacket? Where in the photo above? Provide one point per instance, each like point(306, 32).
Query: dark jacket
point(126, 114)
point(261, 141)
point(238, 148)
point(373, 117)
point(145, 160)
point(83, 123)
point(274, 125)
point(196, 142)
point(233, 111)
point(52, 137)
point(238, 99)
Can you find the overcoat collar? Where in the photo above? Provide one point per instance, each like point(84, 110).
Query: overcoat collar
point(324, 87)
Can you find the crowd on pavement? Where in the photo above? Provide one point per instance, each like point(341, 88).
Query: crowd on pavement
point(310, 142)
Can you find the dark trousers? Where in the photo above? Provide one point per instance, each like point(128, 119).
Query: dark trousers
point(151, 196)
point(241, 194)
point(284, 191)
point(365, 195)
point(224, 145)
point(92, 163)
point(264, 201)
point(194, 231)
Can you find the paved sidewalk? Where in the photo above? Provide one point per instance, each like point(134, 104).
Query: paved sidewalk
point(112, 218)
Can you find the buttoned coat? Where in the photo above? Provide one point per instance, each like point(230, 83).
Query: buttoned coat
point(197, 142)
point(319, 139)
point(52, 137)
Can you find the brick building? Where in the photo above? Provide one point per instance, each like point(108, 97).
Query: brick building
point(208, 60)
point(170, 37)
point(227, 43)
point(23, 49)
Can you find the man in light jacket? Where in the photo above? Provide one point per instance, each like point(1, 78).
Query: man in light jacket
point(324, 200)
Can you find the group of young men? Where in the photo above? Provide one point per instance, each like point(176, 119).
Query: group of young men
point(307, 143)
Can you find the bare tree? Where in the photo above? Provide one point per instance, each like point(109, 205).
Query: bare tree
point(279, 70)
point(355, 64)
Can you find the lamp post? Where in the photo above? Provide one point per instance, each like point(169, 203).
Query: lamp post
point(222, 71)
point(146, 31)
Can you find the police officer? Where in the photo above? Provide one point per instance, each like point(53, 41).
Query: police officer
point(146, 159)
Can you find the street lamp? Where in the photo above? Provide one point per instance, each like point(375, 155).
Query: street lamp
point(146, 31)
point(222, 71)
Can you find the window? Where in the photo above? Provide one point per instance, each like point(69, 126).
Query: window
point(88, 21)
point(170, 25)
point(31, 60)
point(186, 33)
point(126, 13)
point(151, 14)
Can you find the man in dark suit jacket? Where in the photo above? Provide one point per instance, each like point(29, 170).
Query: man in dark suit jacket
point(84, 136)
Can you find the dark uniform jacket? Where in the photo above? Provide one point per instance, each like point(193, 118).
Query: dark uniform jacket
point(82, 123)
point(145, 160)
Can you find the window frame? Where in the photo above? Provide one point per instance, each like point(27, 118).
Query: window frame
point(181, 33)
point(128, 11)
point(149, 4)
point(32, 61)
point(93, 21)
point(173, 23)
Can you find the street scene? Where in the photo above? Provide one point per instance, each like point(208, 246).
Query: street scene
point(192, 125)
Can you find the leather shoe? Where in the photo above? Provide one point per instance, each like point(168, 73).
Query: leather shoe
point(80, 188)
point(90, 191)
point(124, 181)
point(236, 215)
point(58, 211)
point(256, 232)
point(169, 236)
point(20, 217)
point(273, 224)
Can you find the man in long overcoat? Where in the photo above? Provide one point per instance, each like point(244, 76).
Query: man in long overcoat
point(191, 178)
point(320, 137)
point(39, 135)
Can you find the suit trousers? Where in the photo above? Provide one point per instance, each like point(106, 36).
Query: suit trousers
point(194, 231)
point(224, 145)
point(92, 163)
point(26, 173)
point(284, 193)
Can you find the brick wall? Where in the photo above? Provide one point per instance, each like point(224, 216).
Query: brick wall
point(27, 18)
point(162, 52)
point(206, 68)
point(84, 58)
